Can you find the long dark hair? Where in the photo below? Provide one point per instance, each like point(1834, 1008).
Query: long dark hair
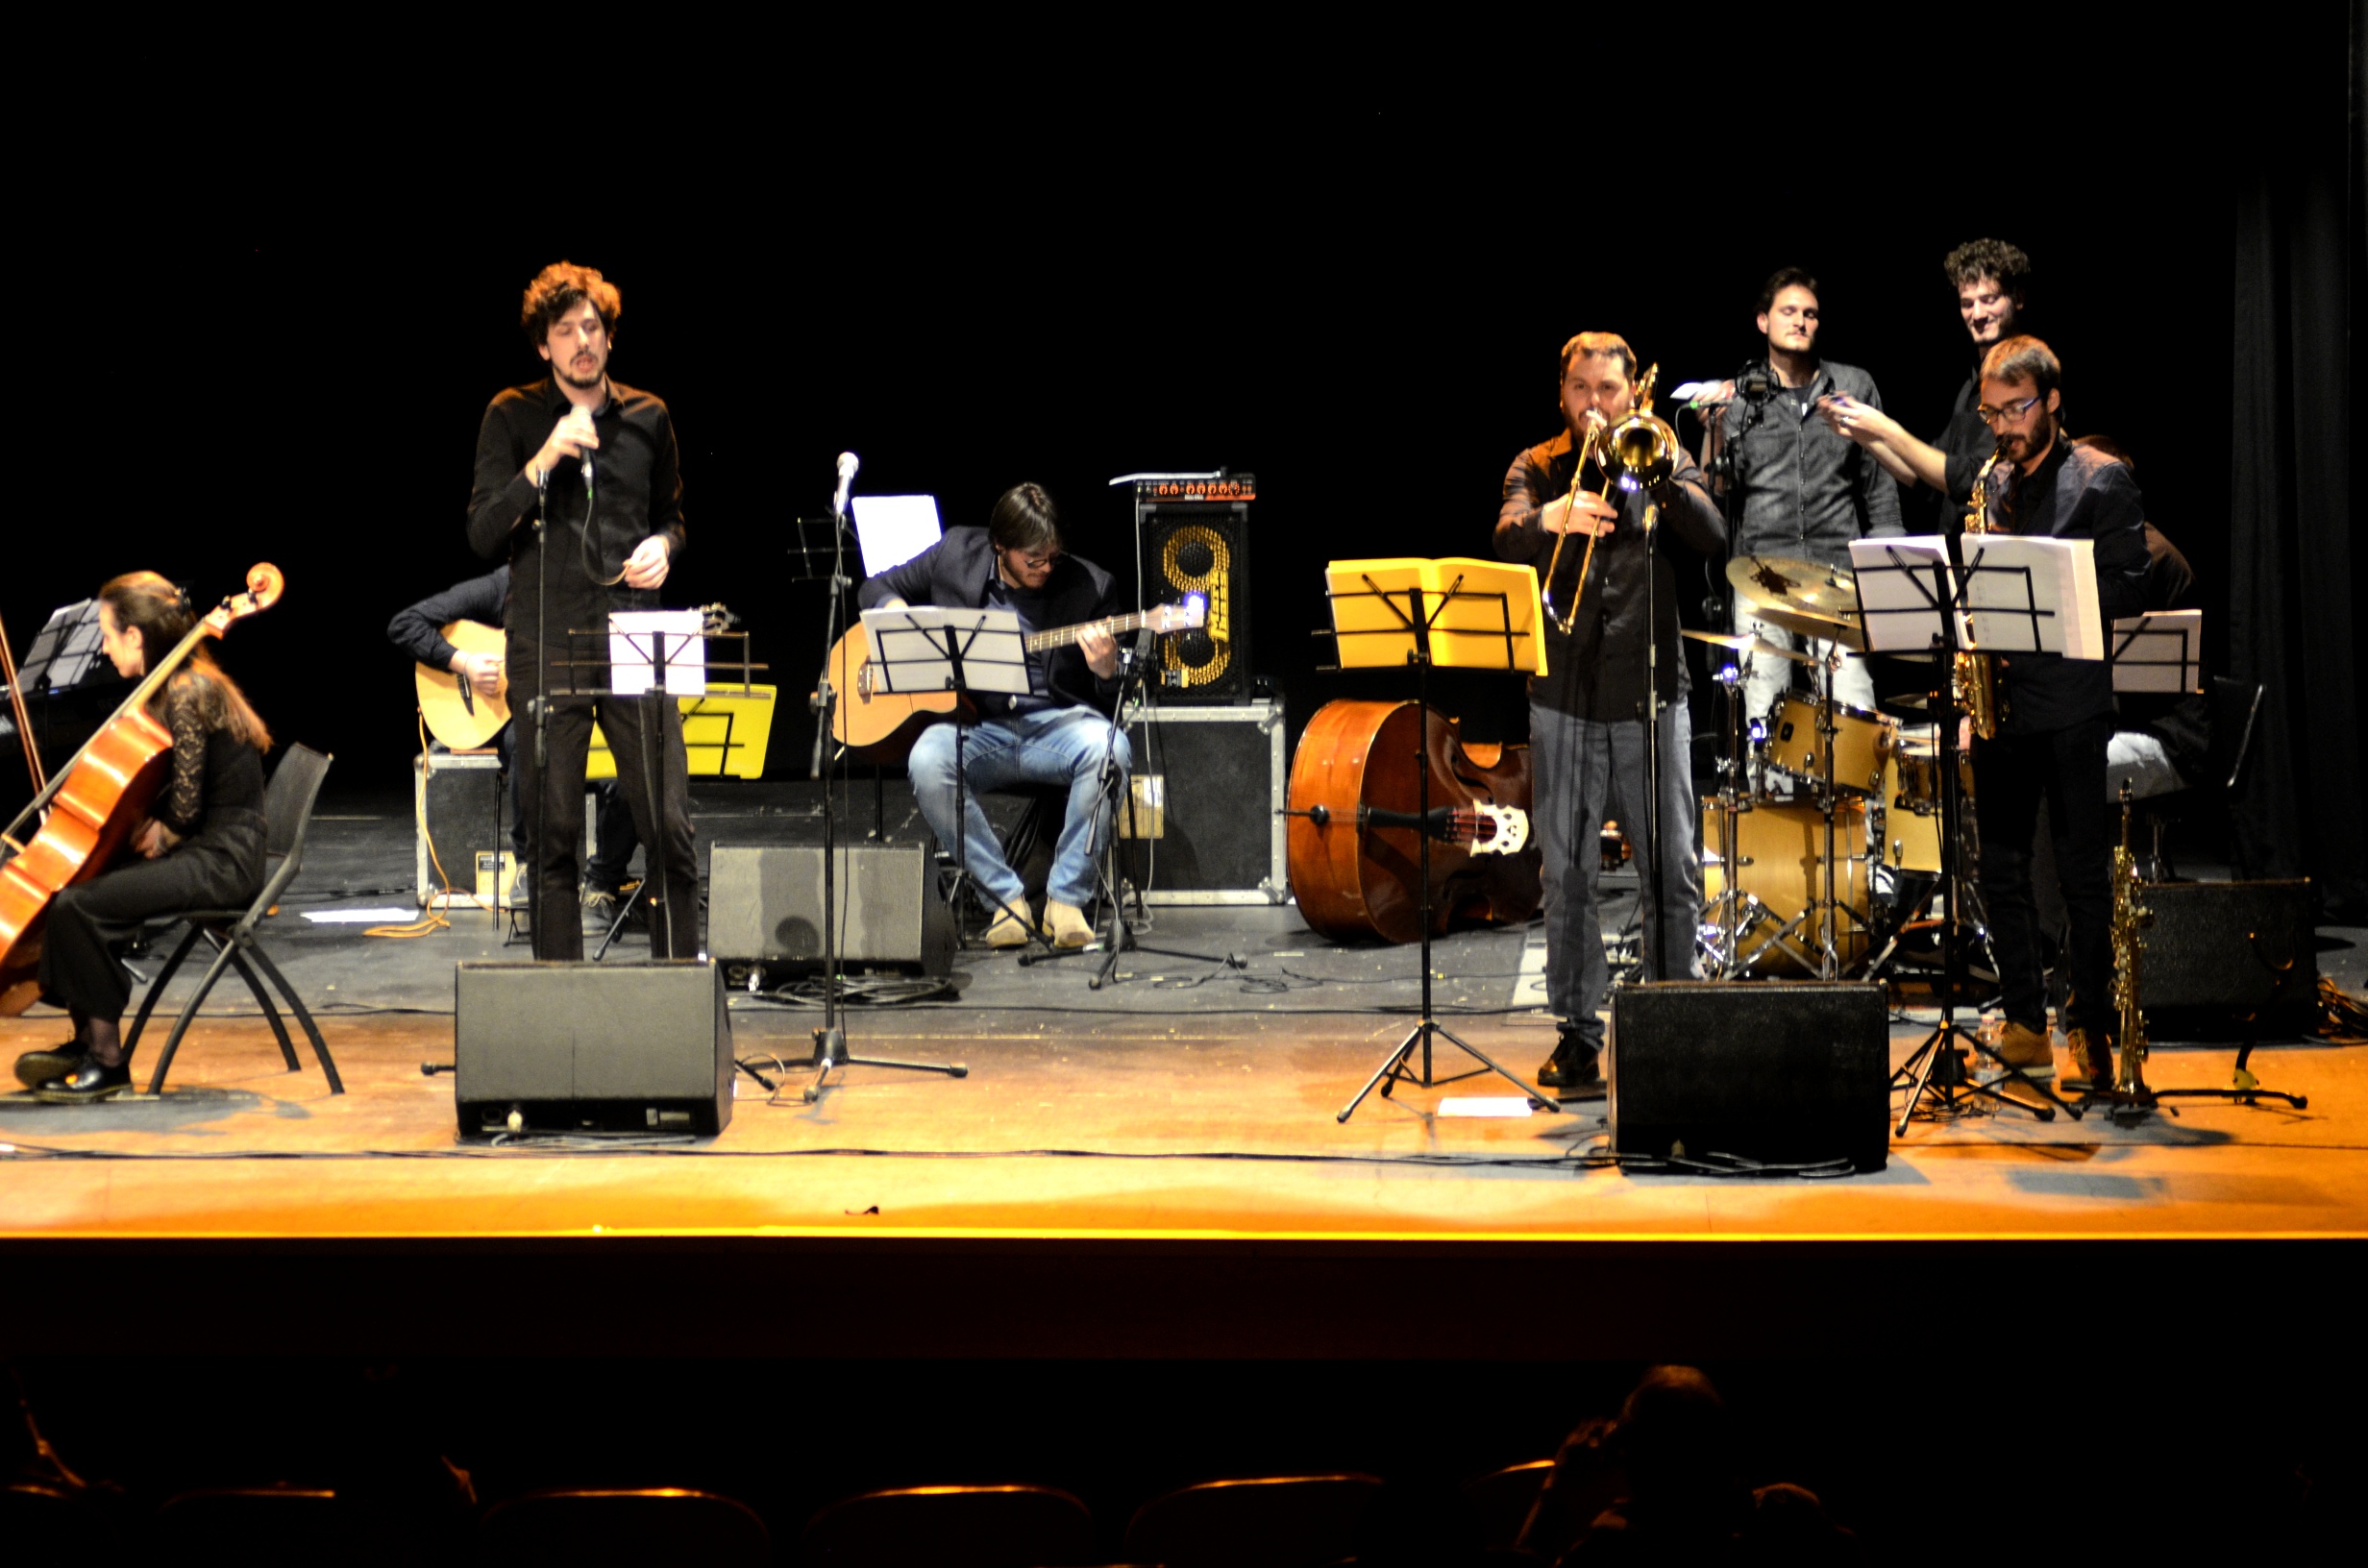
point(150, 604)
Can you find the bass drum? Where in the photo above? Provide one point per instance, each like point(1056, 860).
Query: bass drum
point(1782, 847)
point(1355, 882)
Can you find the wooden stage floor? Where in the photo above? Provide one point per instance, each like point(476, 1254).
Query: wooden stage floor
point(1181, 1120)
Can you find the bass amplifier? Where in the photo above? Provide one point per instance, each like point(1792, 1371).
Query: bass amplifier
point(1192, 536)
point(765, 906)
point(460, 822)
point(604, 1048)
point(1201, 826)
point(2219, 953)
point(1780, 1071)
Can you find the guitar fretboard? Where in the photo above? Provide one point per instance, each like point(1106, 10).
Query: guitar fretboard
point(1115, 626)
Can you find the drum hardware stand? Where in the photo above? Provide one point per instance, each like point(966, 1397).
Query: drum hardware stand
point(1417, 624)
point(1739, 913)
point(830, 1040)
point(1936, 1069)
point(1821, 908)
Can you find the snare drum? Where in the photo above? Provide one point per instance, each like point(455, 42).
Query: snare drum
point(1859, 744)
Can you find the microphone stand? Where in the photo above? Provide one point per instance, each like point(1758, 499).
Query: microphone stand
point(830, 1040)
point(542, 710)
point(1652, 744)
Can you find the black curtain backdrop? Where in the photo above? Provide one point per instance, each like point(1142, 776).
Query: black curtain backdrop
point(2295, 577)
point(281, 350)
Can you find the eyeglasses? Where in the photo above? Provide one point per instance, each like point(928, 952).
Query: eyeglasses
point(1037, 563)
point(2012, 414)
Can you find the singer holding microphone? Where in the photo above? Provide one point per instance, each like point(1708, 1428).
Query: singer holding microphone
point(578, 485)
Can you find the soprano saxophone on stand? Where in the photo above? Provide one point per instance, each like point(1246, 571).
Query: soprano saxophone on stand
point(2131, 917)
point(1975, 675)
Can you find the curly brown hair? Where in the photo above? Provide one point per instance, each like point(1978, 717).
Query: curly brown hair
point(1979, 259)
point(558, 289)
point(149, 604)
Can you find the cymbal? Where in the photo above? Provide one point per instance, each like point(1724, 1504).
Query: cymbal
point(1746, 643)
point(1847, 634)
point(1802, 587)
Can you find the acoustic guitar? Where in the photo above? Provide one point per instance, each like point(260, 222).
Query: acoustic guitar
point(881, 725)
point(457, 713)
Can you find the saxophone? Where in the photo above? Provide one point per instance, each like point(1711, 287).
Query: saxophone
point(2130, 918)
point(1975, 675)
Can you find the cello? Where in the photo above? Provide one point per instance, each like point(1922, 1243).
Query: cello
point(1355, 863)
point(96, 800)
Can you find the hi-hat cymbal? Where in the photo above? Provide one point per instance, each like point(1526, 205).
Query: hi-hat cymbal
point(1847, 634)
point(1746, 643)
point(1802, 587)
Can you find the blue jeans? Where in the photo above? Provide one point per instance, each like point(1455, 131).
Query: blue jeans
point(1585, 771)
point(1055, 745)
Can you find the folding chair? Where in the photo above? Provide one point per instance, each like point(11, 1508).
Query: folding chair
point(287, 814)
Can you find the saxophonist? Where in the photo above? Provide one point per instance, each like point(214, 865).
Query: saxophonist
point(2056, 714)
point(1587, 714)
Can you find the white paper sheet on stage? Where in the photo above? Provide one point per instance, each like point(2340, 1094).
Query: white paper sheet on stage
point(892, 529)
point(632, 644)
point(911, 650)
point(2161, 651)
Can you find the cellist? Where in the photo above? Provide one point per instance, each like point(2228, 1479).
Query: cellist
point(202, 847)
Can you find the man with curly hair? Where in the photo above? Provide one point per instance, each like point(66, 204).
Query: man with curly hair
point(596, 462)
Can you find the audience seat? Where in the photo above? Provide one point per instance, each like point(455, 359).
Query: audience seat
point(253, 1524)
point(1265, 1522)
point(41, 1524)
point(1504, 1499)
point(658, 1525)
point(952, 1527)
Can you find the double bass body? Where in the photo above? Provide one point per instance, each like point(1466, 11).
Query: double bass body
point(1358, 881)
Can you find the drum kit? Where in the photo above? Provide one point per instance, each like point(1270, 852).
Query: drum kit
point(1822, 845)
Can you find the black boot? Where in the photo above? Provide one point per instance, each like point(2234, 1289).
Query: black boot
point(36, 1067)
point(1573, 1066)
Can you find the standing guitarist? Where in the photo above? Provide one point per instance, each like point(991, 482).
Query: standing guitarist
point(1057, 734)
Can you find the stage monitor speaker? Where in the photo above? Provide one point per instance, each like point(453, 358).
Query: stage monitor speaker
point(1192, 537)
point(765, 906)
point(606, 1047)
point(2221, 952)
point(1781, 1072)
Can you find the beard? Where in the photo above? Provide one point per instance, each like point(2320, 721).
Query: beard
point(584, 383)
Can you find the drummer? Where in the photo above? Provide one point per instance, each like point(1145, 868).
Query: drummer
point(1796, 489)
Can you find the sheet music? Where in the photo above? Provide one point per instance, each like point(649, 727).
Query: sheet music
point(2161, 651)
point(63, 650)
point(892, 529)
point(631, 643)
point(911, 650)
point(2034, 594)
point(1898, 581)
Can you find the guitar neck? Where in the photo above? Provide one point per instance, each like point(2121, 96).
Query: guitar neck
point(1063, 636)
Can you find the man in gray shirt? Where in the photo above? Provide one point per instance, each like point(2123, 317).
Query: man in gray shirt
point(1800, 490)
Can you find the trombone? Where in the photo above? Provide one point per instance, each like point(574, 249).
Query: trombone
point(1638, 450)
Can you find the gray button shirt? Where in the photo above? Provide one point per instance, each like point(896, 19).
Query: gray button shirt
point(1807, 492)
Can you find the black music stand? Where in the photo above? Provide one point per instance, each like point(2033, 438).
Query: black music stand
point(1411, 613)
point(1920, 594)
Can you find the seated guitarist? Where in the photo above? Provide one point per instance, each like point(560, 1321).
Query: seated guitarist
point(1057, 734)
point(418, 630)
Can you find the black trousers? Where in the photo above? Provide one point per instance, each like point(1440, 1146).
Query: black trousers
point(674, 917)
point(88, 922)
point(2012, 775)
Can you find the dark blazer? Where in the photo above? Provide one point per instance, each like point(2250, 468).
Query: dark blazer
point(952, 575)
point(418, 629)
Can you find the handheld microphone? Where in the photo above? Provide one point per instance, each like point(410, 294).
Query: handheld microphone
point(849, 462)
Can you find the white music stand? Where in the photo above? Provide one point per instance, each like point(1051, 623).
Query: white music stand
point(2161, 651)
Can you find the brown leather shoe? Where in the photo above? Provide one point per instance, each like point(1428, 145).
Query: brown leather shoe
point(2027, 1050)
point(1009, 930)
point(2091, 1064)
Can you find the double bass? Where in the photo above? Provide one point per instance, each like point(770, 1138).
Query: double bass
point(1355, 860)
point(96, 800)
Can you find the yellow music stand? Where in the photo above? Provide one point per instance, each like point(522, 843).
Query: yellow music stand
point(1481, 615)
point(1467, 615)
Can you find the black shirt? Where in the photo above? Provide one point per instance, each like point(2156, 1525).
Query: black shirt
point(637, 492)
point(2075, 493)
point(1598, 671)
point(418, 629)
point(1804, 490)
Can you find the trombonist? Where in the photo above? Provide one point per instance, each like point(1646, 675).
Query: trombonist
point(1587, 713)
